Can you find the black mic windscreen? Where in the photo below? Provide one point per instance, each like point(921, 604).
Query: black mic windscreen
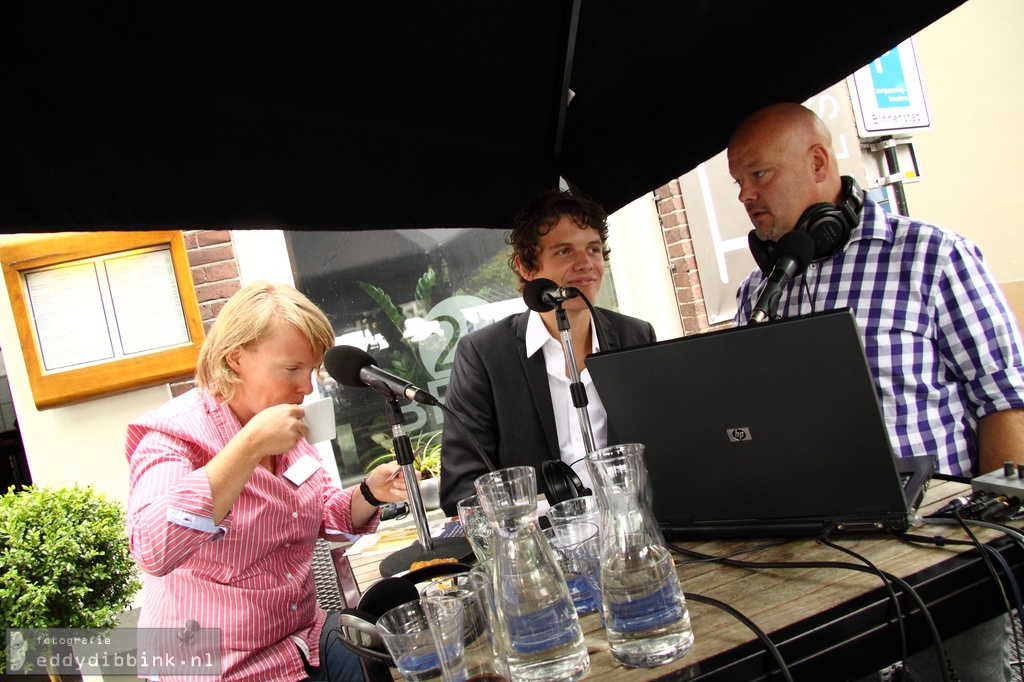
point(797, 244)
point(533, 294)
point(344, 363)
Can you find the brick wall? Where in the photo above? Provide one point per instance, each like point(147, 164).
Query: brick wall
point(211, 256)
point(679, 244)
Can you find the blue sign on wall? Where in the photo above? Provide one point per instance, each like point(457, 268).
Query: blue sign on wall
point(888, 94)
point(889, 81)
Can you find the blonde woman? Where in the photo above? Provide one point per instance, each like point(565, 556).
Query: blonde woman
point(227, 498)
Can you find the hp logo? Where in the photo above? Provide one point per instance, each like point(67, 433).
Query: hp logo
point(739, 434)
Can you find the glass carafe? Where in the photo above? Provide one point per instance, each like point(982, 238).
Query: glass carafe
point(644, 609)
point(536, 626)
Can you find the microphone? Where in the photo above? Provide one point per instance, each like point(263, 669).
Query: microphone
point(351, 366)
point(794, 252)
point(542, 294)
point(355, 367)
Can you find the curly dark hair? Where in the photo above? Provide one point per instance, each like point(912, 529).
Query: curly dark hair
point(542, 214)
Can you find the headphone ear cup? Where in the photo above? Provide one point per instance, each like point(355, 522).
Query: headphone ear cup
point(356, 627)
point(561, 481)
point(385, 595)
point(827, 226)
point(357, 633)
point(763, 252)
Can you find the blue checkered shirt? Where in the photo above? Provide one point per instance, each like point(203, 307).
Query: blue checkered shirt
point(940, 339)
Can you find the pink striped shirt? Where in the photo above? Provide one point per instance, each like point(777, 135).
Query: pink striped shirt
point(250, 576)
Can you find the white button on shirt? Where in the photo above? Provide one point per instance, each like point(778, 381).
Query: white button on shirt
point(570, 435)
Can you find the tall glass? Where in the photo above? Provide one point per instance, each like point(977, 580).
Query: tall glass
point(536, 624)
point(481, 662)
point(447, 618)
point(408, 638)
point(644, 609)
point(575, 509)
point(577, 547)
point(476, 526)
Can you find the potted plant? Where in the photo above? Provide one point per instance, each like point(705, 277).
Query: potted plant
point(64, 563)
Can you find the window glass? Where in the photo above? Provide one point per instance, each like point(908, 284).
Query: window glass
point(406, 297)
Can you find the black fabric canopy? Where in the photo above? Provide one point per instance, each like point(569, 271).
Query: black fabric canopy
point(356, 115)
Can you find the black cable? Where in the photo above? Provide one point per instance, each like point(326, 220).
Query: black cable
point(697, 557)
point(984, 557)
point(469, 434)
point(1013, 533)
point(995, 577)
point(1012, 580)
point(601, 341)
point(807, 289)
point(901, 626)
point(910, 591)
point(581, 459)
point(768, 644)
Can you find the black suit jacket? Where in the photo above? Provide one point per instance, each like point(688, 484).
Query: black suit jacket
point(503, 398)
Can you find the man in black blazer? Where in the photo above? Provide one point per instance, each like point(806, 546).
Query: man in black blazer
point(508, 377)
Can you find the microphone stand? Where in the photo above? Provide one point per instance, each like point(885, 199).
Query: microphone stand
point(457, 548)
point(405, 457)
point(576, 387)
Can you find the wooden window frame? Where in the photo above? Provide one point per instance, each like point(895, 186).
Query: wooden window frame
point(19, 255)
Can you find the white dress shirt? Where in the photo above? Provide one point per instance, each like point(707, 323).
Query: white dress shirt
point(567, 422)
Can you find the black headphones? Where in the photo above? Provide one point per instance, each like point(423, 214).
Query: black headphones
point(828, 224)
point(562, 482)
point(356, 629)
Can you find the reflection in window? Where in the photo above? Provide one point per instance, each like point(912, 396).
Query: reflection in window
point(406, 297)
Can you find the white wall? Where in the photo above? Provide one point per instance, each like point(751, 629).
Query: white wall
point(972, 65)
point(81, 443)
point(640, 267)
point(262, 254)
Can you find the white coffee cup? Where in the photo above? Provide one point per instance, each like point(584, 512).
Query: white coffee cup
point(319, 419)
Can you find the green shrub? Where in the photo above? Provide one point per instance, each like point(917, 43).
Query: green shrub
point(64, 560)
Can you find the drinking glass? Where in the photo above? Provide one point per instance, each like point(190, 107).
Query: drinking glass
point(577, 546)
point(407, 636)
point(476, 526)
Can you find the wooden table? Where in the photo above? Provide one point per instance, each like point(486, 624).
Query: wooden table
point(828, 623)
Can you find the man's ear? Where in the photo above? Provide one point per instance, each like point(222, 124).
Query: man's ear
point(522, 271)
point(820, 162)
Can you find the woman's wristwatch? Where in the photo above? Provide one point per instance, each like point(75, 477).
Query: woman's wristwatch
point(364, 490)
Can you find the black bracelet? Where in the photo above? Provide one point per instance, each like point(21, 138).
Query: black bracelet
point(367, 495)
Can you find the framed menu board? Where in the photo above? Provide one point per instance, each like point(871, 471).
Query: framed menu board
point(103, 312)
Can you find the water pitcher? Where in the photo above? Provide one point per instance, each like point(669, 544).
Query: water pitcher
point(536, 626)
point(644, 609)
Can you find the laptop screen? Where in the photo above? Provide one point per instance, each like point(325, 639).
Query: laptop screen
point(771, 429)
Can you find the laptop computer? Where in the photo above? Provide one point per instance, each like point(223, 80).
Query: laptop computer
point(761, 431)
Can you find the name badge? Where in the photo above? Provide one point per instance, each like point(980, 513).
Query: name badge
point(301, 470)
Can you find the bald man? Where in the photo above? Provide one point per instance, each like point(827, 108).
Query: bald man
point(944, 348)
